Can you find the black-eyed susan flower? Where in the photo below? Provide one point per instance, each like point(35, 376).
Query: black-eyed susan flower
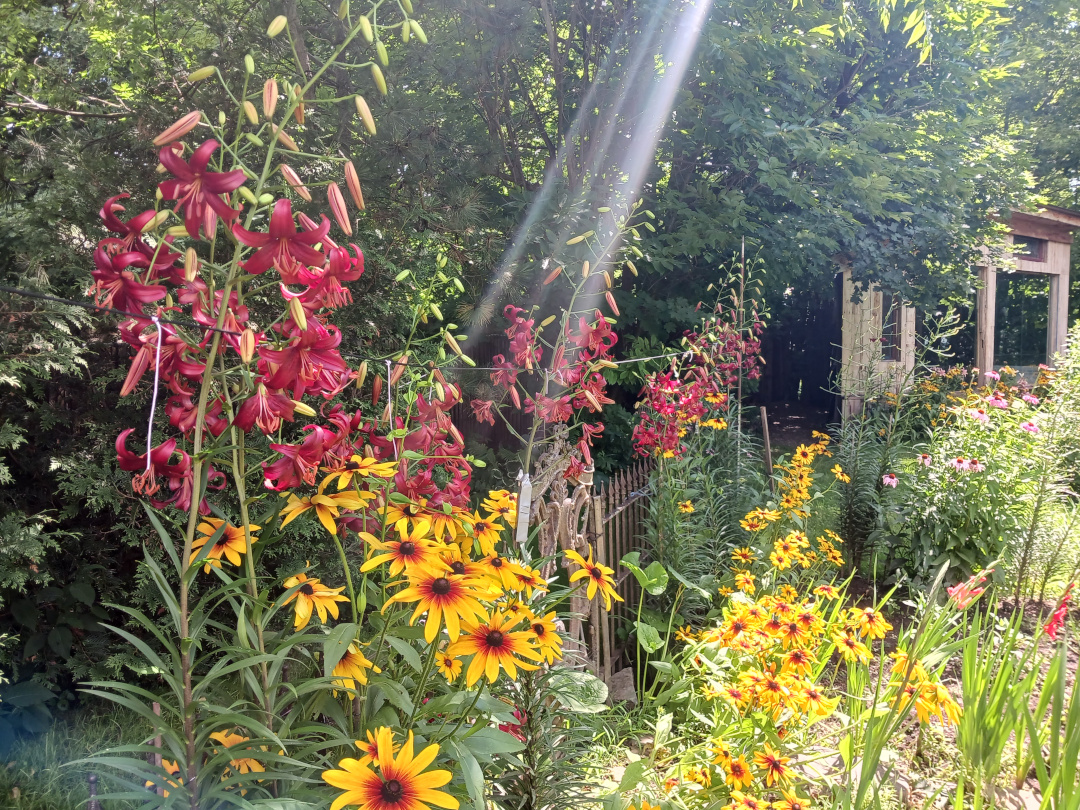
point(494, 645)
point(841, 476)
point(500, 570)
point(370, 746)
point(598, 576)
point(402, 782)
point(528, 580)
point(744, 801)
point(773, 765)
point(826, 592)
point(242, 765)
point(327, 506)
point(738, 773)
point(230, 544)
point(686, 507)
point(547, 637)
point(744, 581)
point(743, 556)
point(487, 532)
point(868, 622)
point(791, 801)
point(446, 598)
point(312, 594)
point(362, 467)
point(851, 648)
point(813, 701)
point(352, 669)
point(411, 551)
point(449, 666)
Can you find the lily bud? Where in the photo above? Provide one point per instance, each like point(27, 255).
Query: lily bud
point(352, 182)
point(177, 230)
point(251, 113)
point(364, 111)
point(277, 26)
point(179, 129)
point(247, 345)
point(302, 409)
point(607, 279)
point(380, 51)
point(249, 64)
point(254, 139)
point(452, 343)
point(406, 31)
point(418, 32)
point(338, 209)
point(585, 269)
point(296, 311)
point(157, 221)
point(366, 30)
point(593, 400)
point(554, 274)
point(248, 195)
point(380, 80)
point(266, 198)
point(631, 267)
point(407, 5)
point(376, 389)
point(270, 97)
point(284, 139)
point(548, 321)
point(191, 264)
point(435, 310)
point(361, 375)
point(201, 73)
point(440, 392)
point(221, 118)
point(386, 413)
point(343, 10)
point(299, 113)
point(294, 181)
point(611, 302)
point(399, 369)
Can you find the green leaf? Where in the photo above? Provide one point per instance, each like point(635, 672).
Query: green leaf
point(407, 652)
point(580, 692)
point(471, 771)
point(336, 645)
point(486, 742)
point(648, 637)
point(83, 591)
point(657, 578)
point(632, 776)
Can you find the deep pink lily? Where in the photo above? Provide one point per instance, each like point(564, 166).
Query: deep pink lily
point(283, 247)
point(198, 190)
point(299, 462)
point(310, 362)
point(266, 409)
point(116, 286)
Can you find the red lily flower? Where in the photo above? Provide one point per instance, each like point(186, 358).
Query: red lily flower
point(310, 362)
point(183, 413)
point(482, 410)
point(283, 247)
point(131, 233)
point(197, 190)
point(594, 339)
point(266, 409)
point(118, 287)
point(299, 462)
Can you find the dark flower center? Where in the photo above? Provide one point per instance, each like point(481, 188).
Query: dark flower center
point(494, 639)
point(539, 630)
point(481, 527)
point(392, 791)
point(458, 567)
point(351, 465)
point(407, 549)
point(306, 589)
point(222, 541)
point(441, 586)
point(497, 562)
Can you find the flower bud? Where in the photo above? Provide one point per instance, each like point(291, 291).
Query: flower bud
point(251, 113)
point(361, 375)
point(452, 343)
point(157, 221)
point(221, 118)
point(254, 139)
point(270, 97)
point(631, 267)
point(352, 182)
point(248, 195)
point(376, 389)
point(364, 111)
point(548, 321)
point(366, 30)
point(177, 230)
point(381, 52)
point(607, 279)
point(277, 26)
point(296, 311)
point(386, 413)
point(338, 209)
point(399, 369)
point(266, 198)
point(284, 138)
point(158, 195)
point(343, 10)
point(201, 73)
point(554, 274)
point(435, 310)
point(302, 409)
point(249, 64)
point(418, 32)
point(611, 302)
point(470, 362)
point(406, 31)
point(294, 181)
point(407, 5)
point(191, 264)
point(585, 269)
point(179, 129)
point(379, 79)
point(301, 110)
point(247, 345)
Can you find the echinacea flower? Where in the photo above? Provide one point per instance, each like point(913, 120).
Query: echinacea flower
point(197, 190)
point(974, 465)
point(598, 576)
point(996, 401)
point(494, 645)
point(889, 480)
point(959, 463)
point(1030, 399)
point(402, 782)
point(925, 459)
point(979, 414)
point(312, 594)
point(992, 375)
point(230, 544)
point(1030, 427)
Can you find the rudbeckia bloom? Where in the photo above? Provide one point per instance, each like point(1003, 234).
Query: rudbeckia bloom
point(494, 644)
point(869, 622)
point(851, 648)
point(775, 766)
point(487, 532)
point(547, 637)
point(445, 598)
point(402, 783)
point(448, 666)
point(364, 468)
point(791, 801)
point(599, 577)
point(326, 506)
point(352, 668)
point(738, 773)
point(313, 594)
point(686, 507)
point(370, 746)
point(411, 552)
point(500, 570)
point(242, 765)
point(231, 544)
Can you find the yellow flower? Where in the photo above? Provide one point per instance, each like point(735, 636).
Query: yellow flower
point(791, 801)
point(326, 506)
point(448, 666)
point(411, 552)
point(738, 773)
point(501, 571)
point(775, 766)
point(599, 577)
point(744, 556)
point(487, 532)
point(826, 592)
point(243, 765)
point(444, 597)
point(364, 468)
point(494, 644)
point(851, 648)
point(686, 507)
point(869, 622)
point(744, 581)
point(312, 594)
point(370, 747)
point(230, 543)
point(403, 783)
point(841, 476)
point(547, 637)
point(815, 703)
point(352, 668)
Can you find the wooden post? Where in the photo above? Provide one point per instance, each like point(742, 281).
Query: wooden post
point(768, 448)
point(91, 783)
point(985, 310)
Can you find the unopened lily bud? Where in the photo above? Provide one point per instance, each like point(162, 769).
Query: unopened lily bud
point(352, 182)
point(343, 10)
point(418, 32)
point(251, 113)
point(302, 409)
point(452, 343)
point(607, 279)
point(158, 195)
point(338, 209)
point(379, 79)
point(191, 264)
point(554, 274)
point(179, 129)
point(386, 413)
point(593, 400)
point(361, 375)
point(550, 319)
point(201, 73)
point(254, 139)
point(177, 230)
point(585, 269)
point(247, 345)
point(366, 29)
point(407, 5)
point(301, 109)
point(157, 221)
point(440, 392)
point(249, 64)
point(406, 31)
point(605, 364)
point(221, 118)
point(470, 362)
point(284, 138)
point(248, 195)
point(296, 311)
point(270, 97)
point(294, 181)
point(435, 310)
point(364, 111)
point(611, 302)
point(381, 52)
point(630, 266)
point(277, 26)
point(399, 369)
point(376, 389)
point(266, 198)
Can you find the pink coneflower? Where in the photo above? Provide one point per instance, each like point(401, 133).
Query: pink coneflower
point(959, 464)
point(995, 401)
point(979, 414)
point(1030, 399)
point(925, 460)
point(973, 465)
point(1030, 427)
point(889, 480)
point(992, 375)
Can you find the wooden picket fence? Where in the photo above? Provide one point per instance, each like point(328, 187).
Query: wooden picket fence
point(616, 527)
